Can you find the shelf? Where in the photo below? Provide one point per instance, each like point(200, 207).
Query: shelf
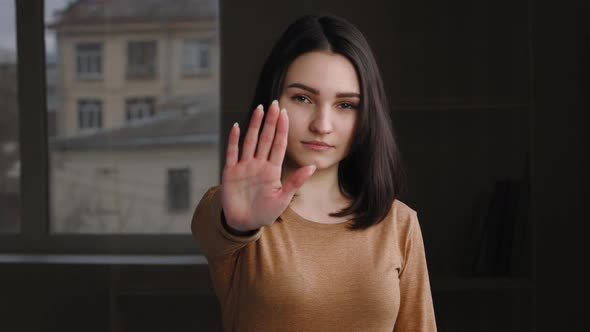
point(455, 107)
point(185, 260)
point(467, 284)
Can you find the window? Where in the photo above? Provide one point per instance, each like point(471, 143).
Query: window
point(195, 57)
point(141, 59)
point(89, 61)
point(89, 113)
point(178, 189)
point(103, 191)
point(139, 108)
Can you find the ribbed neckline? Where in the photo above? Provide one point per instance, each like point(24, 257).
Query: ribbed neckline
point(290, 214)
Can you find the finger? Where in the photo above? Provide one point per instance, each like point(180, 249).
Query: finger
point(268, 132)
point(251, 138)
point(279, 145)
point(231, 155)
point(296, 180)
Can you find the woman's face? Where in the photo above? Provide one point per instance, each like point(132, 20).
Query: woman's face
point(322, 96)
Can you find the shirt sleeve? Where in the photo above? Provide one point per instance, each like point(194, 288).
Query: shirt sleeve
point(213, 239)
point(416, 312)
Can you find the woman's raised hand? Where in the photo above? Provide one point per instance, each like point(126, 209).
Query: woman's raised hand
point(252, 193)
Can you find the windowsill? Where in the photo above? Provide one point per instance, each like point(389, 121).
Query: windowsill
point(88, 79)
point(196, 75)
point(140, 77)
point(103, 259)
point(481, 284)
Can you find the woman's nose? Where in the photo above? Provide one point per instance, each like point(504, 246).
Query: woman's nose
point(322, 122)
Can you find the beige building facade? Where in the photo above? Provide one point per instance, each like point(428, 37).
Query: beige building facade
point(138, 115)
point(113, 84)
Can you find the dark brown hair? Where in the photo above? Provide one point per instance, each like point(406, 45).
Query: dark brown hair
point(371, 174)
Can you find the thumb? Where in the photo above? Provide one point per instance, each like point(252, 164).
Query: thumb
point(297, 179)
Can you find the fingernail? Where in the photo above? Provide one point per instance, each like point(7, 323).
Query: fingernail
point(284, 110)
point(236, 124)
point(259, 106)
point(313, 168)
point(275, 102)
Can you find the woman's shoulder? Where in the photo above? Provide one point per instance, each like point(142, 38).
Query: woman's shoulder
point(401, 209)
point(212, 190)
point(402, 214)
point(210, 196)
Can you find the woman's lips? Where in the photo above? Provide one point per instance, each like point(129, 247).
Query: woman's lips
point(316, 147)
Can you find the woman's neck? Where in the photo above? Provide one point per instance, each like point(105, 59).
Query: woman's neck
point(320, 190)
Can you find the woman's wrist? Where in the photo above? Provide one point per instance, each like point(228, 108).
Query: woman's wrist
point(233, 231)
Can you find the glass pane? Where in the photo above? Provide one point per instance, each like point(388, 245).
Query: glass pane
point(9, 122)
point(134, 141)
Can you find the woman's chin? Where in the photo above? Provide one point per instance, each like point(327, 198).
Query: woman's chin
point(321, 165)
point(321, 162)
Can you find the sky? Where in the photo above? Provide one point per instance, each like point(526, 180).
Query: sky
point(7, 23)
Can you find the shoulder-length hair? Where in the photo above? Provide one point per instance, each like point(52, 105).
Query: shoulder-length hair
point(371, 174)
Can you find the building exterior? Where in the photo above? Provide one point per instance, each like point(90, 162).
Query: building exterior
point(9, 144)
point(137, 127)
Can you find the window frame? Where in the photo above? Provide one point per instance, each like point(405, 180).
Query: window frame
point(34, 236)
point(89, 118)
point(176, 189)
point(201, 45)
point(128, 56)
point(89, 76)
point(145, 112)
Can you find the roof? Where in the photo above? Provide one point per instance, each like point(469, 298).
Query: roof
point(125, 11)
point(7, 56)
point(178, 128)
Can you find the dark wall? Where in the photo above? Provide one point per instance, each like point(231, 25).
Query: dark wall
point(459, 78)
point(484, 93)
point(560, 39)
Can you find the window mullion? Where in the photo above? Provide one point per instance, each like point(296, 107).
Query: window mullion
point(33, 124)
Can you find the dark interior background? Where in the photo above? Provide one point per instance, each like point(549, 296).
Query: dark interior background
point(487, 103)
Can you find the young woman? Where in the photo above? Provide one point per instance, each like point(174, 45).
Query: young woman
point(306, 232)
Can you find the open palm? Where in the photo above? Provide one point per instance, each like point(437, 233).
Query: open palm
point(252, 193)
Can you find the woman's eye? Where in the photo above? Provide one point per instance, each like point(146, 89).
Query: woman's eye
point(348, 105)
point(300, 98)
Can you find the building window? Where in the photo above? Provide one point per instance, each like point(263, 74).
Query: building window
point(141, 59)
point(196, 57)
point(178, 189)
point(89, 61)
point(89, 113)
point(139, 108)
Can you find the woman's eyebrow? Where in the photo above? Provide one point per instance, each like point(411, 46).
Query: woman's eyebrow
point(316, 92)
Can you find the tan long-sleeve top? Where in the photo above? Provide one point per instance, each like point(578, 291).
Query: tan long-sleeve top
point(301, 275)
